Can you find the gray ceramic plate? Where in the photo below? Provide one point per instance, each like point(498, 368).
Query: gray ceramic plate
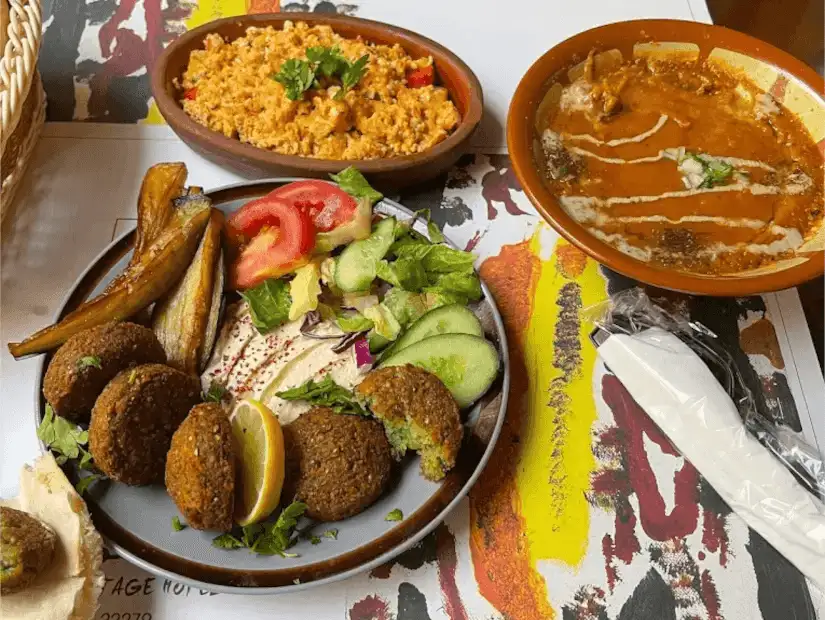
point(137, 520)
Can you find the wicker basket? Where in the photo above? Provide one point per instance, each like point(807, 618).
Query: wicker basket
point(22, 100)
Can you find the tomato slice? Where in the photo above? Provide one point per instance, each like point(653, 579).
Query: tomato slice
point(191, 93)
point(424, 76)
point(274, 238)
point(328, 205)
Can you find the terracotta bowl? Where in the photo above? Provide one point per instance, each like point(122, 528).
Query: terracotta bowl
point(396, 172)
point(797, 86)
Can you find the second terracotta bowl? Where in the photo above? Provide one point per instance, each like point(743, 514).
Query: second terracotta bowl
point(251, 161)
point(764, 64)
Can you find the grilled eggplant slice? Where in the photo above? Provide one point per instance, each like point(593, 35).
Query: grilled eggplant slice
point(158, 269)
point(182, 320)
point(162, 184)
point(215, 310)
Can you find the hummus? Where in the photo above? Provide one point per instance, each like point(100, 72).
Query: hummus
point(248, 364)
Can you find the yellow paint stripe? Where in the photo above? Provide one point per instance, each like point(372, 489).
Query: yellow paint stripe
point(552, 482)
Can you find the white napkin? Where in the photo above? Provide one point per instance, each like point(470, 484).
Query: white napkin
point(677, 390)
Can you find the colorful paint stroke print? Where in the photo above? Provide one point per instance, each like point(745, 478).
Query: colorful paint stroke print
point(586, 510)
point(96, 55)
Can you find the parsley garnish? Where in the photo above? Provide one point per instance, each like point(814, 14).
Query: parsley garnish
point(88, 360)
point(227, 541)
point(353, 73)
point(177, 525)
point(328, 60)
point(333, 534)
point(266, 538)
point(394, 515)
point(315, 540)
point(214, 394)
point(66, 440)
point(63, 437)
point(325, 393)
point(716, 172)
point(85, 482)
point(298, 76)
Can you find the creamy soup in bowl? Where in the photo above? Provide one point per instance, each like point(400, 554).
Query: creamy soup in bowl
point(679, 161)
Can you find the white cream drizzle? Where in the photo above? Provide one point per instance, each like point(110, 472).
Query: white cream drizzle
point(584, 208)
point(671, 153)
point(757, 189)
point(586, 214)
point(619, 141)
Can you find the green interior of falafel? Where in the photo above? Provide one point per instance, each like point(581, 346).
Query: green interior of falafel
point(407, 435)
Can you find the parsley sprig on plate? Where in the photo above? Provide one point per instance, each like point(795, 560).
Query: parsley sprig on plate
point(67, 441)
point(273, 538)
point(298, 76)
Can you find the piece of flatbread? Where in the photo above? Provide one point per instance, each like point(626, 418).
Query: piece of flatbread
point(71, 587)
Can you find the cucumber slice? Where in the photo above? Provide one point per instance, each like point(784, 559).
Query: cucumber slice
point(466, 364)
point(452, 319)
point(355, 268)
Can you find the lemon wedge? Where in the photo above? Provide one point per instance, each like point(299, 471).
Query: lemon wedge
point(261, 446)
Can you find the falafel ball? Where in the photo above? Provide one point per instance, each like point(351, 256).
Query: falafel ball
point(336, 464)
point(200, 469)
point(134, 418)
point(418, 413)
point(87, 361)
point(27, 549)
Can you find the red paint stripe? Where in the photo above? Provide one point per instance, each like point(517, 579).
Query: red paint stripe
point(371, 607)
point(659, 525)
point(447, 563)
point(714, 535)
point(710, 596)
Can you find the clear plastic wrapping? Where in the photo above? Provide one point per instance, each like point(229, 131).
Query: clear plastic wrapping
point(684, 379)
point(632, 311)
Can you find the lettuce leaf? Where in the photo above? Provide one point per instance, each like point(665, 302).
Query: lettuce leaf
point(405, 306)
point(434, 258)
point(464, 285)
point(353, 322)
point(353, 182)
point(384, 321)
point(406, 273)
point(269, 304)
